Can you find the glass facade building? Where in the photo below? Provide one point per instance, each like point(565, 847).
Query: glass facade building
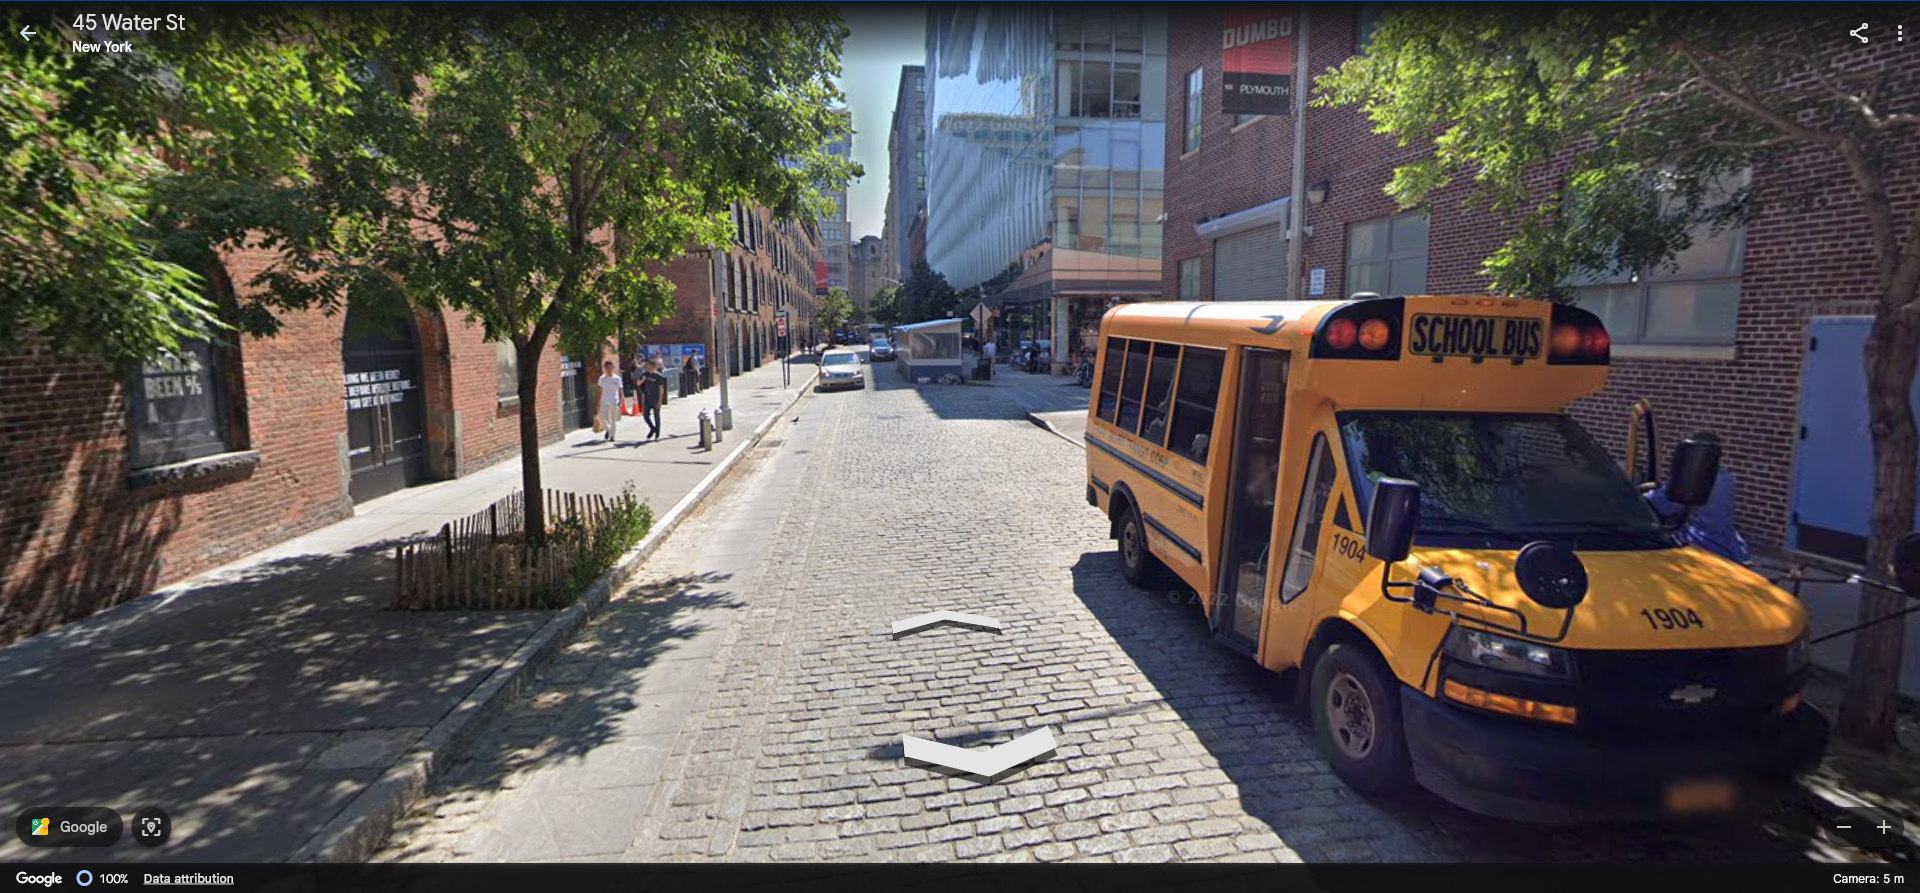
point(1046, 159)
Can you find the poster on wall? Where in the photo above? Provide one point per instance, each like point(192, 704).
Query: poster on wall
point(673, 354)
point(1256, 50)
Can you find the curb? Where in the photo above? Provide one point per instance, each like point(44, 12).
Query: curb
point(1035, 418)
point(364, 824)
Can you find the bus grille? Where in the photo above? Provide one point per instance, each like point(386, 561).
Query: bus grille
point(1683, 695)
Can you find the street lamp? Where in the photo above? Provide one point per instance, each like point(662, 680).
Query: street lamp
point(723, 416)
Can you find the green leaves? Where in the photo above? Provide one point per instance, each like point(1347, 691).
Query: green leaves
point(1557, 119)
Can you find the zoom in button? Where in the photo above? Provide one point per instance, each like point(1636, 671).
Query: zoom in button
point(58, 826)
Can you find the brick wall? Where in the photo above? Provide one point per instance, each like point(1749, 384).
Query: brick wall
point(776, 263)
point(78, 537)
point(1802, 258)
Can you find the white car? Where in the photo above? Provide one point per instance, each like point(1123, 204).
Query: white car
point(841, 369)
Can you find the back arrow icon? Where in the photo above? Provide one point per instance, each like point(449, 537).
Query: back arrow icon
point(971, 621)
point(1856, 32)
point(27, 33)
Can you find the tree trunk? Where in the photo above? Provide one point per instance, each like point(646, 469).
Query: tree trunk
point(1869, 710)
point(528, 357)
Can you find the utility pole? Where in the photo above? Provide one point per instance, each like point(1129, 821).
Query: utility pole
point(723, 417)
point(1297, 205)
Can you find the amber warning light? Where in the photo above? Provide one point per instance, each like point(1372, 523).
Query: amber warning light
point(1578, 339)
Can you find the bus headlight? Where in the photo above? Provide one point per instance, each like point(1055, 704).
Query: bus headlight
point(1497, 652)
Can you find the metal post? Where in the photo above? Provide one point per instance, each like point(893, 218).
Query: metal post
point(724, 415)
point(1296, 228)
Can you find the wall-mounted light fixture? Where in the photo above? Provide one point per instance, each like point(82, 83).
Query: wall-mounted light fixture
point(1317, 193)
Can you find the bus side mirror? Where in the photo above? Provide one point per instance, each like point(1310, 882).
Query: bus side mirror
point(1392, 518)
point(1906, 564)
point(1690, 478)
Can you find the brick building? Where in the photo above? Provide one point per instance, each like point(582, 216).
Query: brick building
point(112, 485)
point(1723, 345)
point(769, 266)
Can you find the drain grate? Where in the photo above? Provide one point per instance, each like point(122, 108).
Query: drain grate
point(770, 444)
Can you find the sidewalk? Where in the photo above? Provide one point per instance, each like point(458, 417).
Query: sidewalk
point(258, 702)
point(1054, 402)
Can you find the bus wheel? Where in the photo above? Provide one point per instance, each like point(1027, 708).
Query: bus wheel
point(1137, 563)
point(1356, 717)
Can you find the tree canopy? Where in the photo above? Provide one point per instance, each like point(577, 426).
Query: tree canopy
point(122, 174)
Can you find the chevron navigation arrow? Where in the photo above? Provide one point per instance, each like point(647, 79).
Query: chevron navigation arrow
point(988, 764)
point(971, 621)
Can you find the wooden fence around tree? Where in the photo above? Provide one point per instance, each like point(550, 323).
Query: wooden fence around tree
point(484, 561)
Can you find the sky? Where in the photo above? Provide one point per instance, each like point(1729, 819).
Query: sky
point(882, 37)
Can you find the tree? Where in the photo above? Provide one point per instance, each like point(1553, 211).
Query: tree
point(886, 306)
point(833, 311)
point(1655, 108)
point(925, 295)
point(123, 175)
point(526, 168)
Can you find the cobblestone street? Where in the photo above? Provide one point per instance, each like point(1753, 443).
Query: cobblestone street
point(745, 701)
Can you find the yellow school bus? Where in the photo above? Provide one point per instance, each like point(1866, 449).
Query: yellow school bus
point(1384, 500)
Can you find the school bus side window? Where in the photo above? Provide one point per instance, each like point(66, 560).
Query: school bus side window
point(1131, 385)
point(1153, 422)
point(1110, 378)
point(1195, 399)
point(1306, 525)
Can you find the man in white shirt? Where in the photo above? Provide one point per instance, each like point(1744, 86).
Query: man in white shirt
point(611, 387)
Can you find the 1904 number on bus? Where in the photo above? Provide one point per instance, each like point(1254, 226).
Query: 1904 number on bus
point(1349, 547)
point(1673, 618)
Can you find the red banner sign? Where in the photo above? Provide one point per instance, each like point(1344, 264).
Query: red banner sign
point(1256, 49)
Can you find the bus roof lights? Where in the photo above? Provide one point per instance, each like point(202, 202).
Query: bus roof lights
point(1579, 338)
point(1374, 334)
point(1341, 334)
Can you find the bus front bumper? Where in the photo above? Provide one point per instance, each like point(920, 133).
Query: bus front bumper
point(1513, 770)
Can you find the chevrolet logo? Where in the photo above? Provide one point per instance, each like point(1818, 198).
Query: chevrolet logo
point(1693, 694)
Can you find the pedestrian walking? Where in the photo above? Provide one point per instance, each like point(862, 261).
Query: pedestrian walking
point(612, 386)
point(630, 378)
point(653, 392)
point(689, 376)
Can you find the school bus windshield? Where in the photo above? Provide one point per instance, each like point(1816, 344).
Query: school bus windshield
point(1501, 480)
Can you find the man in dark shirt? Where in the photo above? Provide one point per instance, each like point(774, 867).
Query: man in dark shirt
point(653, 392)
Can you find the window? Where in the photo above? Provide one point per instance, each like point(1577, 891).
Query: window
point(920, 181)
point(1196, 81)
point(1190, 279)
point(1126, 90)
point(506, 369)
point(1153, 420)
point(1130, 386)
point(919, 85)
point(1388, 256)
point(1195, 400)
point(1366, 22)
point(1245, 119)
point(1110, 378)
point(1694, 301)
point(1306, 525)
point(1491, 480)
point(177, 407)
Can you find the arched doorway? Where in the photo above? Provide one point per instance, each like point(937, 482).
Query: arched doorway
point(386, 417)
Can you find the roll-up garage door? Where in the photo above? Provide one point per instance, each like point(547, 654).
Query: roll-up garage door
point(1251, 266)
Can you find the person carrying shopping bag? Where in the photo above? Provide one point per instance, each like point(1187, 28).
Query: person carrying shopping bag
point(611, 388)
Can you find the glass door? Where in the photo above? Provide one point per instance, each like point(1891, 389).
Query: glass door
point(1253, 486)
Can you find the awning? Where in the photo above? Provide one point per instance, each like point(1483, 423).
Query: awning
point(1240, 221)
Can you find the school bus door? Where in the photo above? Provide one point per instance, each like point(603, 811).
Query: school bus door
point(1252, 482)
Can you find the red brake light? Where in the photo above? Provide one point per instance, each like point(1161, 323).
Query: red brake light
point(1341, 334)
point(1566, 340)
point(1374, 334)
point(1595, 341)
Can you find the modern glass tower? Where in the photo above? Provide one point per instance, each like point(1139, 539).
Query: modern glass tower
point(1047, 156)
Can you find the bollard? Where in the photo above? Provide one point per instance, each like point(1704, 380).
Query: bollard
point(706, 430)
